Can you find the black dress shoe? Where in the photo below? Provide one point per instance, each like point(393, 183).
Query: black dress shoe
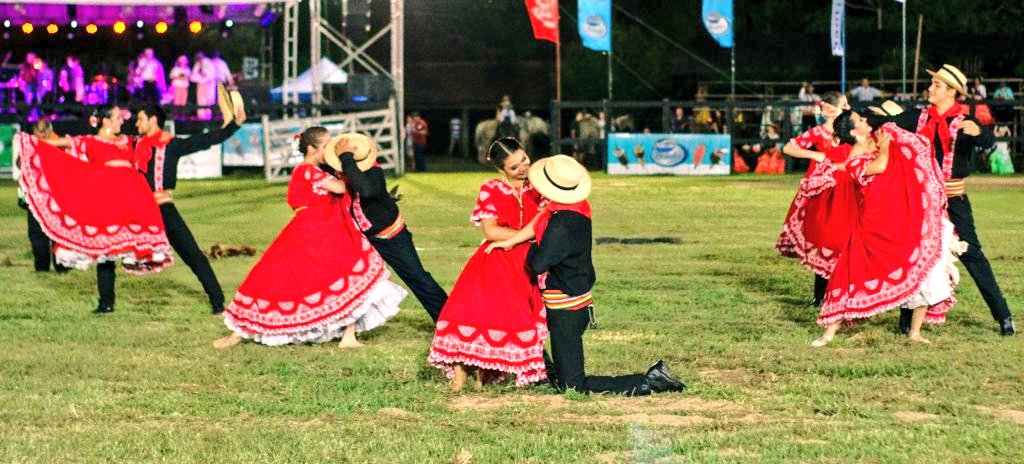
point(659, 379)
point(816, 302)
point(906, 315)
point(1006, 327)
point(104, 309)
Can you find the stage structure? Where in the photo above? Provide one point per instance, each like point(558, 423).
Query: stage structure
point(324, 39)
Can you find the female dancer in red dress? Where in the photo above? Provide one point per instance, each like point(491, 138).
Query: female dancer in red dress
point(819, 218)
point(320, 279)
point(96, 211)
point(494, 319)
point(900, 249)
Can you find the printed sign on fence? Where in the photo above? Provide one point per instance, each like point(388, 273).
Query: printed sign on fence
point(679, 154)
point(245, 147)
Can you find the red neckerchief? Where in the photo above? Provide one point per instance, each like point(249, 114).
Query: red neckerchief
point(144, 149)
point(937, 124)
point(542, 222)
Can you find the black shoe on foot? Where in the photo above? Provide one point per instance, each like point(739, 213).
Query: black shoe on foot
point(816, 302)
point(659, 379)
point(104, 309)
point(906, 315)
point(1006, 327)
point(217, 310)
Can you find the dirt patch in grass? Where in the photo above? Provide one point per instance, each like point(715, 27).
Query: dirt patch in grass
point(736, 377)
point(986, 180)
point(1011, 415)
point(911, 416)
point(640, 418)
point(466, 403)
point(397, 413)
point(619, 336)
point(667, 410)
point(629, 457)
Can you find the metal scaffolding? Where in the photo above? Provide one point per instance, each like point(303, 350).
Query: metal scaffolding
point(324, 35)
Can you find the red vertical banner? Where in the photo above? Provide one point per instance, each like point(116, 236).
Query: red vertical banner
point(544, 19)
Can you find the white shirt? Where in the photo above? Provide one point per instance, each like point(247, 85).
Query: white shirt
point(865, 94)
point(203, 72)
point(220, 70)
point(147, 69)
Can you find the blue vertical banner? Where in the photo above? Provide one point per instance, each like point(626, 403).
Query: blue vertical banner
point(717, 15)
point(595, 24)
point(838, 19)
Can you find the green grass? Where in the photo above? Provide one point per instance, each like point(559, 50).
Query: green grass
point(726, 312)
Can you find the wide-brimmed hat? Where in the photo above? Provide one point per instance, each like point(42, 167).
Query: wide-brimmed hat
point(363, 148)
point(888, 108)
point(561, 179)
point(952, 77)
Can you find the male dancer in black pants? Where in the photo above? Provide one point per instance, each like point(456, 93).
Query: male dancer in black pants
point(561, 257)
point(377, 215)
point(42, 246)
point(156, 156)
point(954, 137)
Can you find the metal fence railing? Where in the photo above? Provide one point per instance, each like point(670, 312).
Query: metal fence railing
point(577, 126)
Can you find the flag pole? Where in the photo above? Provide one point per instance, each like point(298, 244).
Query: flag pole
point(732, 63)
point(904, 86)
point(610, 78)
point(558, 70)
point(842, 72)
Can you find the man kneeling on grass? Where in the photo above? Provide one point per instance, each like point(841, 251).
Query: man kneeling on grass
point(561, 258)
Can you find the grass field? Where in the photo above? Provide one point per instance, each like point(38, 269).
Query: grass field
point(727, 313)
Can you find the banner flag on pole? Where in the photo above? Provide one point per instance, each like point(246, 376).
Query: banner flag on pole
point(544, 19)
point(595, 24)
point(717, 15)
point(838, 17)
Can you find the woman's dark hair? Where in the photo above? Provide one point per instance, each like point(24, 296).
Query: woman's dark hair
point(100, 113)
point(842, 127)
point(832, 98)
point(502, 149)
point(310, 136)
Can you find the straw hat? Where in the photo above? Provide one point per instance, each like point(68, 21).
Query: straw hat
point(227, 107)
point(888, 108)
point(364, 151)
point(952, 77)
point(561, 179)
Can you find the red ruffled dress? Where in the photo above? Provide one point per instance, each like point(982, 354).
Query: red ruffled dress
point(319, 275)
point(823, 210)
point(93, 212)
point(494, 318)
point(899, 249)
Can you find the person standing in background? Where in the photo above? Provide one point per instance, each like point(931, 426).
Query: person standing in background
point(204, 75)
point(420, 131)
point(180, 81)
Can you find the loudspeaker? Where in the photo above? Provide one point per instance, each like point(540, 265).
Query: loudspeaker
point(254, 91)
point(369, 87)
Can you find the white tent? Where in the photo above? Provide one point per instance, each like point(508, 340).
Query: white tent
point(330, 73)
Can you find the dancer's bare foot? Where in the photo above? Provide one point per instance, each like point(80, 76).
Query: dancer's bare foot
point(478, 382)
point(916, 337)
point(826, 338)
point(348, 339)
point(350, 343)
point(459, 379)
point(822, 341)
point(230, 340)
